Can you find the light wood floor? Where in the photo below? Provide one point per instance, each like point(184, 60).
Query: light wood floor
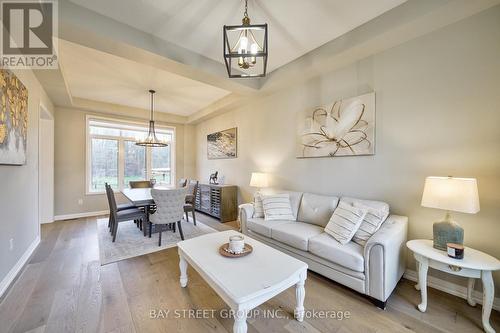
point(64, 289)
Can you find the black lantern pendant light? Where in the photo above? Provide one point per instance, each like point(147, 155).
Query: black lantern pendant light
point(245, 48)
point(151, 140)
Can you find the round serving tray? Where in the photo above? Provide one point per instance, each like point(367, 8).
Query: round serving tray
point(223, 250)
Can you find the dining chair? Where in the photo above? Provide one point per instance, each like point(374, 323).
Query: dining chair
point(190, 202)
point(120, 207)
point(140, 184)
point(151, 208)
point(123, 215)
point(169, 209)
point(182, 182)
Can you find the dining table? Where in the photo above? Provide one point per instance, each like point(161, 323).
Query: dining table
point(141, 197)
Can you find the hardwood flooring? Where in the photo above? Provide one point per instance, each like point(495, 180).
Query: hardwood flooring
point(64, 289)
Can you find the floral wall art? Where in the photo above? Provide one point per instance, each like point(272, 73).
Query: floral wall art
point(13, 119)
point(343, 128)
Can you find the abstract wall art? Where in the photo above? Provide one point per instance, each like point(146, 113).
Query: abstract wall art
point(222, 144)
point(13, 119)
point(342, 128)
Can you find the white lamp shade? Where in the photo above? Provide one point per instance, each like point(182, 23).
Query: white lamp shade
point(259, 179)
point(449, 193)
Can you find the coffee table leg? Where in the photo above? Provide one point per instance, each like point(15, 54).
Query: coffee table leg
point(240, 322)
point(488, 292)
point(183, 266)
point(423, 266)
point(300, 294)
point(470, 291)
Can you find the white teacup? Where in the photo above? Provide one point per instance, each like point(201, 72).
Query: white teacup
point(236, 243)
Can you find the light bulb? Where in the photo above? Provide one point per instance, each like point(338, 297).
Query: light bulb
point(243, 44)
point(254, 48)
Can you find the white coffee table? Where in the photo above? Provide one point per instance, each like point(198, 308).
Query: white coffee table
point(474, 265)
point(246, 282)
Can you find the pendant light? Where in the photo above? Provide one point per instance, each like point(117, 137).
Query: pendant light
point(245, 48)
point(151, 140)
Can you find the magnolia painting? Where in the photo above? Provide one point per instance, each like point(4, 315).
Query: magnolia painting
point(222, 144)
point(13, 119)
point(342, 128)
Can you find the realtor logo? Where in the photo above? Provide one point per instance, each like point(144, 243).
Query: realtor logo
point(29, 34)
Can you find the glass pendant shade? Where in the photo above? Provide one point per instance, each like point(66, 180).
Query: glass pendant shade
point(245, 48)
point(151, 140)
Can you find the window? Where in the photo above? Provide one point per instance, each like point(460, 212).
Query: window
point(114, 158)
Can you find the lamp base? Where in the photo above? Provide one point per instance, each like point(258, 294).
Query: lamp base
point(447, 231)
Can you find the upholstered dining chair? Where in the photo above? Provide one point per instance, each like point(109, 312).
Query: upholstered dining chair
point(169, 209)
point(140, 184)
point(123, 215)
point(182, 182)
point(190, 202)
point(120, 207)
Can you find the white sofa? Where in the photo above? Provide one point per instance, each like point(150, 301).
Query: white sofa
point(372, 270)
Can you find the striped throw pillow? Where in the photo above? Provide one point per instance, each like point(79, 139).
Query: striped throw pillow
point(344, 222)
point(277, 207)
point(257, 205)
point(371, 223)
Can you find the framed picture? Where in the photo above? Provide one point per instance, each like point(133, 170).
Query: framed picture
point(13, 119)
point(342, 128)
point(222, 144)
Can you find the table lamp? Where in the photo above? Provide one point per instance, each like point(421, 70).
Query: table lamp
point(259, 180)
point(450, 194)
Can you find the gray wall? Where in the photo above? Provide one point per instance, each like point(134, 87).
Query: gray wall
point(19, 185)
point(437, 104)
point(70, 151)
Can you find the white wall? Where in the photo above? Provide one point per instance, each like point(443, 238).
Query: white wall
point(19, 187)
point(437, 113)
point(46, 175)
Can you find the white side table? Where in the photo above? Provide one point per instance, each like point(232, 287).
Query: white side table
point(474, 265)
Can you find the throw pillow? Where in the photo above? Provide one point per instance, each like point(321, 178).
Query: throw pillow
point(371, 223)
point(344, 222)
point(257, 205)
point(277, 207)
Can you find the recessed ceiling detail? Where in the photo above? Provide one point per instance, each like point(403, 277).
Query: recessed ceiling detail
point(295, 26)
point(102, 77)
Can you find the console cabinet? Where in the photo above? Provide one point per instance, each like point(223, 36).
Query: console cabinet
point(218, 201)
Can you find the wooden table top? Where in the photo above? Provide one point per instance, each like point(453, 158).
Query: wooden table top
point(142, 196)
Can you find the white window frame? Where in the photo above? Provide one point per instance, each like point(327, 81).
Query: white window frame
point(121, 149)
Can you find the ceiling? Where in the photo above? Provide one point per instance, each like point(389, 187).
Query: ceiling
point(102, 77)
point(295, 26)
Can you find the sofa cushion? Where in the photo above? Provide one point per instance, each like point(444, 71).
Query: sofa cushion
point(295, 198)
point(377, 212)
point(263, 227)
point(295, 234)
point(277, 207)
point(349, 255)
point(344, 222)
point(257, 205)
point(317, 209)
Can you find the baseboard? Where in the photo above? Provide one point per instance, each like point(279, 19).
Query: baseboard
point(79, 215)
point(450, 288)
point(11, 276)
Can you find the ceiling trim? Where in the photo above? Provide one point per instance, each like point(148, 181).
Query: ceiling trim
point(121, 110)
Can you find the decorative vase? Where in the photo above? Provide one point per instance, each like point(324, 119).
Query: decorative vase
point(447, 231)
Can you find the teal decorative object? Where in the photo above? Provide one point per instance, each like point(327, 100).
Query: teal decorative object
point(450, 194)
point(447, 231)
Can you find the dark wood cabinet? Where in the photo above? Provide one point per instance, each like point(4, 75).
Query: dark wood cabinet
point(219, 201)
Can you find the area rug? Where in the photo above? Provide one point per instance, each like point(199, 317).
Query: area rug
point(130, 241)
